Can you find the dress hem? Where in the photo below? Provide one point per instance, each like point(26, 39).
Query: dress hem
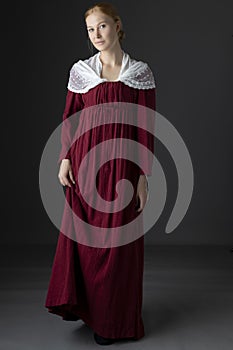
point(60, 310)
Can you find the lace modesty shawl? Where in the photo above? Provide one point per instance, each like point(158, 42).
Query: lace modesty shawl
point(86, 74)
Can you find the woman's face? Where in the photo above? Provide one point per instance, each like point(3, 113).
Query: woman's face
point(102, 30)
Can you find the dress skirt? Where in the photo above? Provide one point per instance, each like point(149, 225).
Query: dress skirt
point(103, 286)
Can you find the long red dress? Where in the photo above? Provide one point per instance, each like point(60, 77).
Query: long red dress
point(101, 286)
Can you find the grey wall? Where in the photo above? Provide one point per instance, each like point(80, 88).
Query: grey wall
point(188, 45)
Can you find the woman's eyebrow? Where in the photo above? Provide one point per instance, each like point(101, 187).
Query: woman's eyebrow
point(97, 24)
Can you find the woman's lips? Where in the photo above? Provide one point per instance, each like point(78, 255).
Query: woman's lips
point(100, 42)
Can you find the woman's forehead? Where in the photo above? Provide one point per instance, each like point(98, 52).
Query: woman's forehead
point(96, 18)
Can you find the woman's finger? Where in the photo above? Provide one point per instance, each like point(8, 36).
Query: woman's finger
point(142, 199)
point(67, 182)
point(71, 176)
point(60, 180)
point(140, 202)
point(64, 181)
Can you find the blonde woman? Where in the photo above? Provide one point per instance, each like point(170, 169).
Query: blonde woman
point(102, 286)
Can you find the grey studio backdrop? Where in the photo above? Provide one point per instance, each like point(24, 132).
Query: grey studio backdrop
point(188, 46)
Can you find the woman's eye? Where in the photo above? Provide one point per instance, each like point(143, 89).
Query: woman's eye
point(102, 25)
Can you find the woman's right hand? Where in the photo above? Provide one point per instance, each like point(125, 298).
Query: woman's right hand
point(65, 173)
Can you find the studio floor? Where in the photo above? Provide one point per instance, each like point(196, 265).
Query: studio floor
point(187, 302)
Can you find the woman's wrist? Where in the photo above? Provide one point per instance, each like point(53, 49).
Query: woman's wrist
point(144, 178)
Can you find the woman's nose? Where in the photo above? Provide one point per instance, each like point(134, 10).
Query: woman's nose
point(97, 34)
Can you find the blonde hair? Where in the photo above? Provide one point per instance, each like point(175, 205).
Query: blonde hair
point(110, 10)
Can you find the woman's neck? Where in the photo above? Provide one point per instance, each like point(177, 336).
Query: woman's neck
point(111, 58)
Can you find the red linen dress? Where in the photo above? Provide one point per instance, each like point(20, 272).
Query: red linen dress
point(101, 286)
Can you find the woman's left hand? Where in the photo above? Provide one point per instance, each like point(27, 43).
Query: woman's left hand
point(142, 192)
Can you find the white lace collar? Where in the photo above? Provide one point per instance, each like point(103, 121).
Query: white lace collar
point(85, 74)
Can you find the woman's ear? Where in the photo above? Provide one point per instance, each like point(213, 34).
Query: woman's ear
point(118, 26)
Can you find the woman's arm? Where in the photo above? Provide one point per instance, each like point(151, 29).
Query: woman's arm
point(145, 136)
point(74, 103)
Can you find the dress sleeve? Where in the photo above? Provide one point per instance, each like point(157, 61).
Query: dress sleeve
point(74, 103)
point(147, 98)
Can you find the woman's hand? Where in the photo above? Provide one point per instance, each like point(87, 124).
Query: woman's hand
point(142, 192)
point(65, 171)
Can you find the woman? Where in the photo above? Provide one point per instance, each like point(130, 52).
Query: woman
point(102, 286)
